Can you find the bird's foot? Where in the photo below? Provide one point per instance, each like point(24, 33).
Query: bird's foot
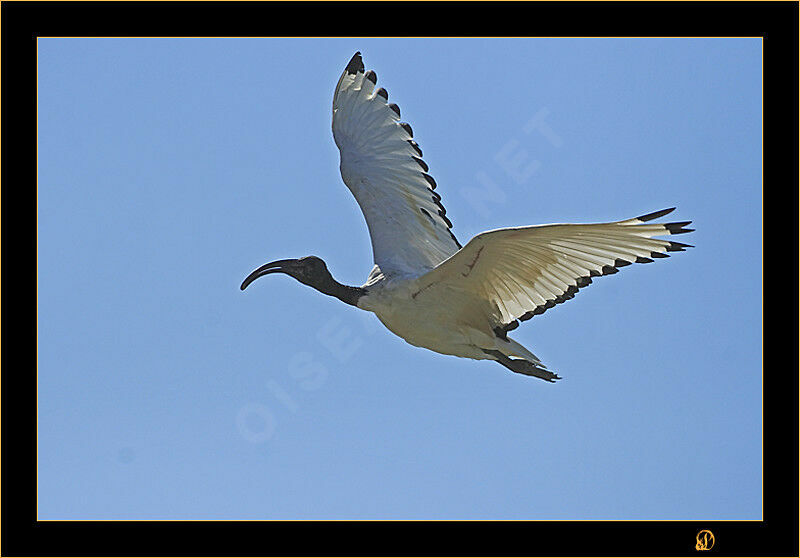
point(521, 366)
point(530, 369)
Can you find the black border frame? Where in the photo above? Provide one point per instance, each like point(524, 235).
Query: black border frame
point(23, 22)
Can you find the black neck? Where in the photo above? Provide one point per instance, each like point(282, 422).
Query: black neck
point(345, 293)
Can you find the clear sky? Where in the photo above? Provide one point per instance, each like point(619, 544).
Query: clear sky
point(169, 169)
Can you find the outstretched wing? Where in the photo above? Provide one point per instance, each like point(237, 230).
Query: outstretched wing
point(525, 271)
point(382, 166)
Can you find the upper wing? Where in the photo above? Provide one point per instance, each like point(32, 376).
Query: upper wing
point(526, 270)
point(383, 168)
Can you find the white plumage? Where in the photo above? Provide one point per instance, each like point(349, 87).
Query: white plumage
point(428, 289)
point(382, 166)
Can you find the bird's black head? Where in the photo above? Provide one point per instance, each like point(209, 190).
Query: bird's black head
point(310, 270)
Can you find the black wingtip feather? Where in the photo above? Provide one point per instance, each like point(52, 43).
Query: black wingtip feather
point(356, 65)
point(678, 228)
point(655, 214)
point(677, 246)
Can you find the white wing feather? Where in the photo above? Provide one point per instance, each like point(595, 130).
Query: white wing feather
point(526, 270)
point(382, 167)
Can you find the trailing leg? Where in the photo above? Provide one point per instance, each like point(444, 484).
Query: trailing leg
point(521, 366)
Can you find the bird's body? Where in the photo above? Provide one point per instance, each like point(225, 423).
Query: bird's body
point(425, 286)
point(444, 320)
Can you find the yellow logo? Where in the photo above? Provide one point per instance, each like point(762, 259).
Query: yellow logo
point(705, 540)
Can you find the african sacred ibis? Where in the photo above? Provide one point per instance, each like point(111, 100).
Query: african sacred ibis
point(425, 286)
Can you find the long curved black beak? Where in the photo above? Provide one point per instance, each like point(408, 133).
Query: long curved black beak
point(279, 266)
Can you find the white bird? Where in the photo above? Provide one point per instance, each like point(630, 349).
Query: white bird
point(426, 287)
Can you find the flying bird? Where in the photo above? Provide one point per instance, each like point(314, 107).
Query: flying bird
point(425, 286)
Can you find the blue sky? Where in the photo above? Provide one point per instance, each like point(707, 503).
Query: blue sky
point(169, 169)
